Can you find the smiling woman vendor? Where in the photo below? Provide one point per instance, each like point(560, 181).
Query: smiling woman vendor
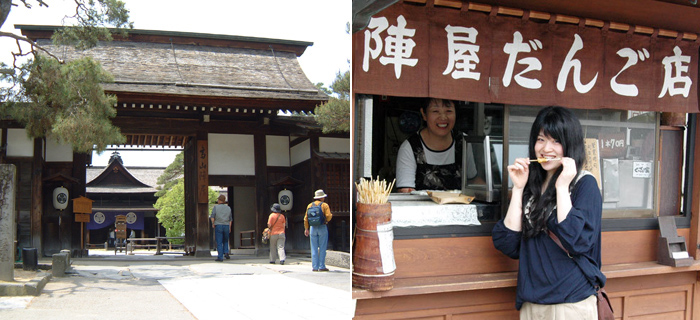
point(431, 159)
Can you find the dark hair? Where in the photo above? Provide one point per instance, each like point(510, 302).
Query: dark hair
point(562, 125)
point(426, 102)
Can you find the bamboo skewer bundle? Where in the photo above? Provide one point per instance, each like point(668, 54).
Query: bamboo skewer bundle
point(373, 191)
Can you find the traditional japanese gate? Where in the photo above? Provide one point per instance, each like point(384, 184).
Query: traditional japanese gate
point(188, 90)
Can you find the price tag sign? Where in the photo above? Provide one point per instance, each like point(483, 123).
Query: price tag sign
point(641, 170)
point(612, 145)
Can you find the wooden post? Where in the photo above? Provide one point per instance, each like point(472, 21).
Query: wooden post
point(694, 237)
point(190, 160)
point(67, 229)
point(82, 208)
point(261, 196)
point(203, 228)
point(3, 145)
point(36, 208)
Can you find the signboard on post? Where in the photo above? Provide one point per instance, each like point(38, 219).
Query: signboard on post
point(82, 205)
point(202, 171)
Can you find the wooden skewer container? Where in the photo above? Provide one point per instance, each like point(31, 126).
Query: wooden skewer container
point(373, 263)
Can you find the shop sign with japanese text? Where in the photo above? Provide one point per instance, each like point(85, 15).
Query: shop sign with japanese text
point(415, 51)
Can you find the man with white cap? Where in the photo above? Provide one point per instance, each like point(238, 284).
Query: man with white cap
point(318, 213)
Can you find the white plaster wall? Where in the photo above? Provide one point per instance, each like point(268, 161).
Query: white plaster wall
point(231, 154)
point(339, 145)
point(56, 152)
point(277, 151)
point(301, 152)
point(18, 145)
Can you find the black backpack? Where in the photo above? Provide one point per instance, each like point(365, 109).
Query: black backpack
point(315, 215)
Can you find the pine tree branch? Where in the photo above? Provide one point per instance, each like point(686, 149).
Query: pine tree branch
point(29, 6)
point(30, 42)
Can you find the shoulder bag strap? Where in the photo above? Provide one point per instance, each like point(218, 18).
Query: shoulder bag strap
point(273, 224)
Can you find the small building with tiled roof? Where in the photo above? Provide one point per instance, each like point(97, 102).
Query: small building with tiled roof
point(117, 190)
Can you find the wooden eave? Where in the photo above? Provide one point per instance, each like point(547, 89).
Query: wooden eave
point(213, 104)
point(60, 177)
point(668, 17)
point(332, 156)
point(190, 73)
point(287, 181)
point(121, 170)
point(171, 85)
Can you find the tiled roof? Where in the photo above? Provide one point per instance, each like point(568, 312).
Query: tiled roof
point(148, 176)
point(191, 70)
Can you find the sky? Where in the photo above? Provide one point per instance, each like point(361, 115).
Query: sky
point(322, 22)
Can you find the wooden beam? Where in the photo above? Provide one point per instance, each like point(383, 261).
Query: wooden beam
point(190, 160)
point(232, 180)
point(69, 232)
point(694, 237)
point(190, 127)
point(261, 195)
point(210, 101)
point(644, 18)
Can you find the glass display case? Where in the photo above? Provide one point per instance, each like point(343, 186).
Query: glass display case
point(620, 153)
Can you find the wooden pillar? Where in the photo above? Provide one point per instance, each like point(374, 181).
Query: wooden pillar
point(3, 145)
point(69, 229)
point(317, 180)
point(694, 237)
point(232, 238)
point(190, 159)
point(261, 196)
point(203, 223)
point(36, 207)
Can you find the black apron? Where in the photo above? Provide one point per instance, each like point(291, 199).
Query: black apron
point(437, 177)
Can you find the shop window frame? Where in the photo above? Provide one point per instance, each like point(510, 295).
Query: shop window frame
point(683, 219)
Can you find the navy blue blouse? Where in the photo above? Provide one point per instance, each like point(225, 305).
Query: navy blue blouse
point(546, 274)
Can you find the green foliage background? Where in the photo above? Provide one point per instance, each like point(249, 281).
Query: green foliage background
point(334, 115)
point(171, 208)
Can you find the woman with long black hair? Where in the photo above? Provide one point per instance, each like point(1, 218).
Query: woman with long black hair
point(552, 197)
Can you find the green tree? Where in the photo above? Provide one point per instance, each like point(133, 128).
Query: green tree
point(171, 174)
point(171, 209)
point(322, 87)
point(64, 100)
point(334, 115)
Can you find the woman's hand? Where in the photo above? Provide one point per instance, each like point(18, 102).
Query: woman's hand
point(568, 173)
point(406, 190)
point(519, 171)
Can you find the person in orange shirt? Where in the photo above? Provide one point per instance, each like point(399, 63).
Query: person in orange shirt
point(318, 213)
point(276, 222)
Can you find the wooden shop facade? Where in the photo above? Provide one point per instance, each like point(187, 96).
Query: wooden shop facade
point(237, 106)
point(628, 69)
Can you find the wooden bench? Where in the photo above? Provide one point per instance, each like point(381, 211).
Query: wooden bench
point(140, 246)
point(248, 237)
point(159, 241)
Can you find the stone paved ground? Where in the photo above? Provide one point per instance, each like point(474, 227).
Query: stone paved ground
point(147, 287)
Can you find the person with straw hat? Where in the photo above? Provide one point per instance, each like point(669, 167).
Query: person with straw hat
point(318, 213)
